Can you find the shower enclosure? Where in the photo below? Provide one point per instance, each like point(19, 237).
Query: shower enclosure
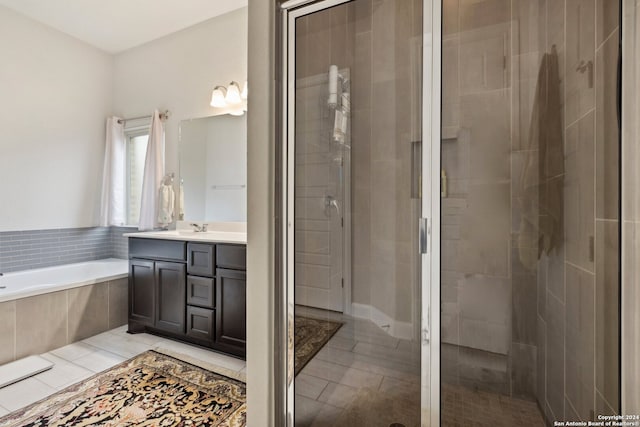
point(530, 221)
point(451, 211)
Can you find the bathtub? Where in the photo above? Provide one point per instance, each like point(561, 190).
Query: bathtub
point(48, 308)
point(22, 284)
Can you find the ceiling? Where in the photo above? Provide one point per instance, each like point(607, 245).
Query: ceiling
point(118, 25)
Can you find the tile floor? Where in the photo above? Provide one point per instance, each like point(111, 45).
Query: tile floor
point(358, 362)
point(82, 359)
point(359, 359)
point(361, 362)
point(462, 406)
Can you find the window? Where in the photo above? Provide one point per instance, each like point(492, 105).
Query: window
point(136, 150)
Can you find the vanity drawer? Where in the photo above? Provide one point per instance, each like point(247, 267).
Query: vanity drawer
point(201, 324)
point(232, 256)
point(157, 249)
point(201, 259)
point(201, 291)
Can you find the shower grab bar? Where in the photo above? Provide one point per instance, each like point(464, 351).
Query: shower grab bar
point(228, 187)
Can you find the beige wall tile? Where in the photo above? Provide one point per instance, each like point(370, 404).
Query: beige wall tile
point(384, 125)
point(579, 195)
point(450, 16)
point(529, 16)
point(579, 345)
point(361, 149)
point(475, 14)
point(607, 18)
point(607, 311)
point(554, 356)
point(450, 89)
point(88, 311)
point(607, 134)
point(362, 12)
point(361, 81)
point(630, 319)
point(541, 363)
point(482, 60)
point(7, 332)
point(118, 302)
point(556, 267)
point(41, 323)
point(580, 48)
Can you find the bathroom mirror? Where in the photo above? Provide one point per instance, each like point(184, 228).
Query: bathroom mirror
point(213, 168)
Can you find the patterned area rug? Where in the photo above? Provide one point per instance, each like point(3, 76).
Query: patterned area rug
point(151, 390)
point(310, 336)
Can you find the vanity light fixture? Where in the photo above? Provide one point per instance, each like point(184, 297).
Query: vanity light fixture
point(218, 97)
point(233, 94)
point(231, 98)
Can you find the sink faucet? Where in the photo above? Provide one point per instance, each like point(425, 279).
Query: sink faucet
point(199, 228)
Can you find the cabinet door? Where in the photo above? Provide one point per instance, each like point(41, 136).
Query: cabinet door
point(171, 294)
point(201, 259)
point(231, 293)
point(200, 324)
point(142, 302)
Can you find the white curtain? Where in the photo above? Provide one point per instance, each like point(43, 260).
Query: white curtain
point(153, 174)
point(112, 210)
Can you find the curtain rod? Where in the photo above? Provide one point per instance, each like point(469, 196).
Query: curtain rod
point(163, 116)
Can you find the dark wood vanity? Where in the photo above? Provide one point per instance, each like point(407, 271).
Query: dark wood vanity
point(189, 291)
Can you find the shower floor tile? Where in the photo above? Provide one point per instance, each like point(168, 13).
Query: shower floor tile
point(462, 406)
point(361, 374)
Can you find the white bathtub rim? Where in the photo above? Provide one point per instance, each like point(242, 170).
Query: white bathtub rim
point(120, 266)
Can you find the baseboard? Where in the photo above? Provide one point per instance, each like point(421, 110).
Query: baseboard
point(395, 328)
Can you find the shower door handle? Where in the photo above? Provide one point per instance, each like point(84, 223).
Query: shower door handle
point(423, 231)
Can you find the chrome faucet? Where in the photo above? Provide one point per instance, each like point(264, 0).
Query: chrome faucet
point(199, 228)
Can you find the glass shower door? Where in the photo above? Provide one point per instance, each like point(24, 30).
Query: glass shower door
point(353, 186)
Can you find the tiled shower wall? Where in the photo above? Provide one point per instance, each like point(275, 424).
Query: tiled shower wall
point(385, 115)
point(24, 250)
point(379, 41)
point(578, 283)
point(562, 342)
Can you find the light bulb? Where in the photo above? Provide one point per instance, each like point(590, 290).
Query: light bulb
point(218, 97)
point(233, 94)
point(245, 91)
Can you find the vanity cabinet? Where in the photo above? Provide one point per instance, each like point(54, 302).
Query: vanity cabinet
point(231, 293)
point(142, 302)
point(191, 291)
point(170, 293)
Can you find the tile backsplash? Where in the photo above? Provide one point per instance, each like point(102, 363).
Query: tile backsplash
point(24, 250)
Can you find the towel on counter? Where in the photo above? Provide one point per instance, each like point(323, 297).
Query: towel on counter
point(181, 202)
point(166, 203)
point(542, 180)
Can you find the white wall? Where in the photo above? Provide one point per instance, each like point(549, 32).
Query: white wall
point(261, 340)
point(56, 93)
point(179, 71)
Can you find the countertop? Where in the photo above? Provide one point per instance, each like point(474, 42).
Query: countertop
point(214, 236)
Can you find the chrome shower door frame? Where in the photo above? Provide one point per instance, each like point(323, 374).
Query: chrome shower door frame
point(430, 261)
